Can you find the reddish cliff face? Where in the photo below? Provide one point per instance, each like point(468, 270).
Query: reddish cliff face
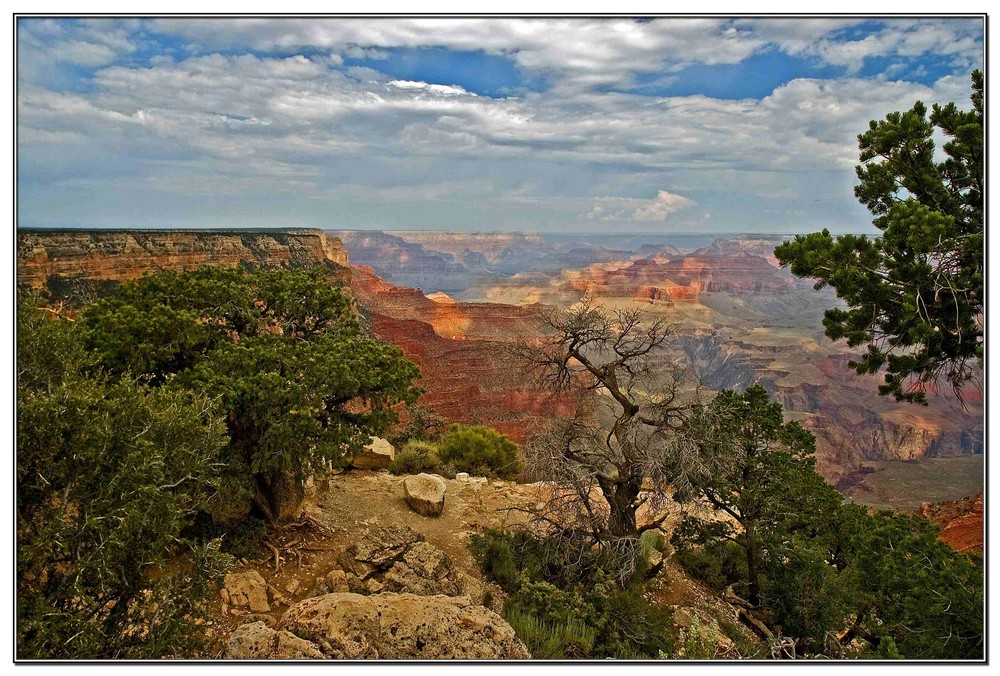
point(448, 318)
point(459, 347)
point(961, 522)
point(127, 254)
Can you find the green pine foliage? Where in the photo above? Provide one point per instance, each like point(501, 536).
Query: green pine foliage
point(110, 474)
point(914, 294)
point(817, 567)
point(300, 382)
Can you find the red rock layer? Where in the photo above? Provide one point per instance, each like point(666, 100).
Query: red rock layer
point(685, 277)
point(448, 318)
point(465, 369)
point(961, 521)
point(128, 254)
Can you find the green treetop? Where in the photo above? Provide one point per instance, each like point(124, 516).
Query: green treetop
point(914, 295)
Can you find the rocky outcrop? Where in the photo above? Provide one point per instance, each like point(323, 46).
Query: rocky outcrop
point(425, 494)
point(379, 549)
point(961, 522)
point(257, 641)
point(424, 570)
point(51, 257)
point(402, 626)
point(395, 558)
point(378, 454)
point(245, 589)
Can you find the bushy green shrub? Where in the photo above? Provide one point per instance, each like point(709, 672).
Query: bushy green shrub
point(718, 565)
point(416, 457)
point(479, 450)
point(567, 640)
point(565, 599)
point(110, 474)
point(701, 642)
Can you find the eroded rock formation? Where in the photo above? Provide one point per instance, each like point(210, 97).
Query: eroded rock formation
point(46, 257)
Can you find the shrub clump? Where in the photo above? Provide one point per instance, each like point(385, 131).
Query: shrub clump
point(416, 457)
point(565, 600)
point(718, 565)
point(479, 450)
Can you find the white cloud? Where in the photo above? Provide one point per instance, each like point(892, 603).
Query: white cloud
point(631, 209)
point(444, 90)
point(586, 53)
point(247, 126)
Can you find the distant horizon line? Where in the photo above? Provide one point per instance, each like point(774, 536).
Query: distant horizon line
point(234, 229)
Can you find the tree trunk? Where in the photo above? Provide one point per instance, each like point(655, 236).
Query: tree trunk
point(278, 495)
point(621, 498)
point(753, 574)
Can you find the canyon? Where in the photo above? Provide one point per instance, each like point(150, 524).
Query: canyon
point(739, 319)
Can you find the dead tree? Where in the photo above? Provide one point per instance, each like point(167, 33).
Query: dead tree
point(614, 456)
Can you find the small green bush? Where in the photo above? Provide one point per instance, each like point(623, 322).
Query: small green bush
point(416, 457)
point(567, 640)
point(701, 642)
point(566, 601)
point(479, 450)
point(718, 565)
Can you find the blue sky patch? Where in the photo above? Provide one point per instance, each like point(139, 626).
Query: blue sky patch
point(478, 72)
point(752, 78)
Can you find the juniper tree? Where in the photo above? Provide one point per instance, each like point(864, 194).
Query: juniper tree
point(914, 293)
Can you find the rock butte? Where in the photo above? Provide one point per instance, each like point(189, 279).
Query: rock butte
point(127, 254)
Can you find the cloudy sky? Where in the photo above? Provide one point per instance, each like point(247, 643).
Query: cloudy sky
point(571, 125)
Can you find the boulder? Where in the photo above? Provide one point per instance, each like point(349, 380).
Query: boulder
point(257, 641)
point(334, 581)
point(245, 589)
point(425, 493)
point(424, 570)
point(379, 454)
point(403, 626)
point(379, 549)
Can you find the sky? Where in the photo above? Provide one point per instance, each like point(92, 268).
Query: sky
point(669, 125)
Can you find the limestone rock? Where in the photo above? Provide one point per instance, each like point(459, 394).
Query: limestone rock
point(334, 581)
point(259, 642)
point(128, 254)
point(403, 626)
point(379, 549)
point(246, 589)
point(424, 570)
point(425, 494)
point(379, 454)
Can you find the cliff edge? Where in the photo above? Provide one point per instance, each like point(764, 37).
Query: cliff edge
point(127, 254)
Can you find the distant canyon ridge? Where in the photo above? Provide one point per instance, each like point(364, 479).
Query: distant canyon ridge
point(451, 301)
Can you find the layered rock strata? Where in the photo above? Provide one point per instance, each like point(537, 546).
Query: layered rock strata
point(44, 256)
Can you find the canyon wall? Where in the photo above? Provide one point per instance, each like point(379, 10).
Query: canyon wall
point(117, 255)
point(461, 349)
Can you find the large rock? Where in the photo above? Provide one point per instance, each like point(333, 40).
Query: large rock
point(424, 570)
point(403, 626)
point(258, 642)
point(425, 493)
point(379, 454)
point(334, 581)
point(245, 589)
point(379, 549)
